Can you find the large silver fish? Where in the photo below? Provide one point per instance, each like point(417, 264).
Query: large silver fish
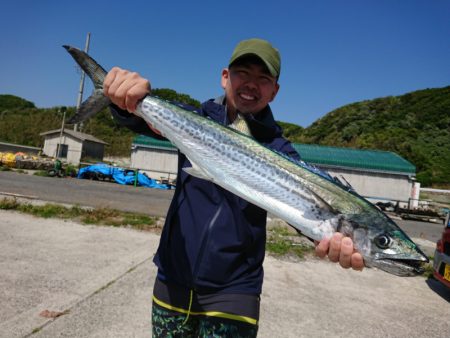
point(304, 197)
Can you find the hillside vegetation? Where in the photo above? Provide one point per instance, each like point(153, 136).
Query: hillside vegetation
point(21, 122)
point(415, 125)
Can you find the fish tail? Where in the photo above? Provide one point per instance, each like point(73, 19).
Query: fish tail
point(97, 101)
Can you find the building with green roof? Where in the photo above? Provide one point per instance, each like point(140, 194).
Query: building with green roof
point(377, 175)
point(362, 159)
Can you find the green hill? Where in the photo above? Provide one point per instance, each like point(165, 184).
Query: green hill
point(415, 125)
point(21, 122)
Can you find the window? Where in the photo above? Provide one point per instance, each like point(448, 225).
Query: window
point(61, 150)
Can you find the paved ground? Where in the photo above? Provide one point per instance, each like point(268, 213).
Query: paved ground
point(101, 278)
point(97, 194)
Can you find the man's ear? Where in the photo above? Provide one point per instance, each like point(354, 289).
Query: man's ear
point(275, 91)
point(225, 77)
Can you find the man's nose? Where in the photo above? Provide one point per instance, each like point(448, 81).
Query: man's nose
point(251, 82)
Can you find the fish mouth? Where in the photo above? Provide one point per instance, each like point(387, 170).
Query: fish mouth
point(401, 267)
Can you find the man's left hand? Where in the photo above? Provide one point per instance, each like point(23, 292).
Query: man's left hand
point(340, 249)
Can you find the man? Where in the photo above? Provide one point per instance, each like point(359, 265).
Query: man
point(212, 246)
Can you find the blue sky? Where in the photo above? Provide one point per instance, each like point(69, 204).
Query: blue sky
point(333, 52)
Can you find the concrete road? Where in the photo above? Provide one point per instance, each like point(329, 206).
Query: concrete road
point(99, 280)
point(154, 202)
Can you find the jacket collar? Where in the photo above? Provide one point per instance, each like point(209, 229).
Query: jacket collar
point(262, 125)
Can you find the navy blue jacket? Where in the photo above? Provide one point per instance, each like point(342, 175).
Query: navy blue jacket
point(213, 240)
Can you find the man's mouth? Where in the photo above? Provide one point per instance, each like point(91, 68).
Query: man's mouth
point(247, 97)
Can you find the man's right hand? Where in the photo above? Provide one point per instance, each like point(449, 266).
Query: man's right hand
point(125, 88)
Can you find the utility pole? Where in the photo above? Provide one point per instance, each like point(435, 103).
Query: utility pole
point(80, 92)
point(59, 146)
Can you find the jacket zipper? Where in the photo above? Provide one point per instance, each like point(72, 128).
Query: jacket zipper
point(204, 245)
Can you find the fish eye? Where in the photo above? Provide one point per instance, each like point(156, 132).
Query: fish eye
point(383, 241)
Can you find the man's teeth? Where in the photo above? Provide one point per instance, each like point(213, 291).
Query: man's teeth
point(247, 97)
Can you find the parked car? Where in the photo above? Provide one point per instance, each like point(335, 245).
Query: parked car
point(441, 264)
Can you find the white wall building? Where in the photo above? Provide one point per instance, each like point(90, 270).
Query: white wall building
point(72, 146)
point(158, 159)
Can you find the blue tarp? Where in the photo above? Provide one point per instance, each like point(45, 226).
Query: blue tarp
point(120, 175)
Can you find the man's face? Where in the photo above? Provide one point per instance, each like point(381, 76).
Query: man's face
point(248, 87)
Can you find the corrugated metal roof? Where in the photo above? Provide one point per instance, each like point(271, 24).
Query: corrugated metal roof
point(325, 156)
point(373, 160)
point(78, 135)
point(19, 145)
point(152, 142)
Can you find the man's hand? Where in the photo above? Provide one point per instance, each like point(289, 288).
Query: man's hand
point(125, 88)
point(340, 249)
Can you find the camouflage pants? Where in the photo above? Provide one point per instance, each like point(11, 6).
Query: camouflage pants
point(167, 323)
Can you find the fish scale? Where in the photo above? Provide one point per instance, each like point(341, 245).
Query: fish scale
point(306, 198)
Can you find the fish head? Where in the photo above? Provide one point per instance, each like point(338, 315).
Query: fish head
point(385, 246)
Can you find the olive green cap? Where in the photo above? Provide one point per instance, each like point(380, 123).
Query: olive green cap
point(263, 50)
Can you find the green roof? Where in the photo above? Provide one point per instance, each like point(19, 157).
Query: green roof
point(325, 156)
point(153, 142)
point(374, 160)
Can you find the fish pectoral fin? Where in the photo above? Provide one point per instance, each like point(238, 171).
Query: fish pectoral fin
point(198, 172)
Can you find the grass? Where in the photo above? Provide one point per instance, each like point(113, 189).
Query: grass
point(98, 216)
point(283, 242)
point(42, 173)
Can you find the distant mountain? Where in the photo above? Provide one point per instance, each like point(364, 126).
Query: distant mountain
point(415, 125)
point(21, 122)
point(14, 102)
